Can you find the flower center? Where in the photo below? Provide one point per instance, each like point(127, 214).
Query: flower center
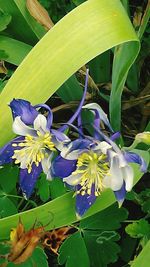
point(93, 168)
point(32, 150)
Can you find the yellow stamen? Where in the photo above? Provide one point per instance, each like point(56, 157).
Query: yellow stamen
point(92, 168)
point(33, 150)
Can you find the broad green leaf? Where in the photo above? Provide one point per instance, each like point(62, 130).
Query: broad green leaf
point(70, 90)
point(108, 219)
point(73, 252)
point(15, 50)
point(61, 211)
point(144, 257)
point(57, 188)
point(7, 207)
point(100, 68)
point(8, 178)
point(5, 19)
point(3, 54)
point(102, 247)
point(138, 229)
point(64, 49)
point(43, 189)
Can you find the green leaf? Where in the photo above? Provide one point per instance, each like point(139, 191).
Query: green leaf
point(8, 178)
point(100, 68)
point(81, 45)
point(138, 229)
point(143, 258)
point(57, 188)
point(38, 259)
point(7, 207)
point(123, 60)
point(73, 252)
point(3, 55)
point(43, 189)
point(146, 206)
point(108, 219)
point(5, 19)
point(102, 247)
point(69, 95)
point(27, 30)
point(4, 250)
point(15, 50)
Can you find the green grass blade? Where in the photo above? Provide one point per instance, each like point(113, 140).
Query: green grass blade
point(124, 57)
point(18, 25)
point(15, 50)
point(63, 50)
point(144, 257)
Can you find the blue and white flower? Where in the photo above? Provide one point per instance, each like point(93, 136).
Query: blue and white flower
point(35, 146)
point(90, 165)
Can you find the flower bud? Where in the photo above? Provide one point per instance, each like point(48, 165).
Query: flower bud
point(143, 137)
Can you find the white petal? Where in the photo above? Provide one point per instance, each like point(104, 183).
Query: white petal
point(103, 146)
point(114, 179)
point(60, 145)
point(73, 179)
point(72, 155)
point(122, 161)
point(102, 114)
point(40, 124)
point(46, 164)
point(128, 177)
point(20, 128)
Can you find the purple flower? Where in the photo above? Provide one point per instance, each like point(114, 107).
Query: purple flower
point(24, 110)
point(34, 149)
point(35, 146)
point(92, 164)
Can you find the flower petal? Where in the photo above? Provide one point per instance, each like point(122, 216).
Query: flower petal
point(60, 140)
point(102, 114)
point(24, 110)
point(83, 203)
point(73, 179)
point(28, 180)
point(62, 167)
point(120, 194)
point(40, 124)
point(46, 164)
point(75, 148)
point(49, 116)
point(114, 179)
point(20, 128)
point(128, 176)
point(103, 147)
point(7, 151)
point(135, 158)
